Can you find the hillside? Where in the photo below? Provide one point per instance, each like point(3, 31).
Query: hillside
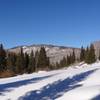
point(55, 53)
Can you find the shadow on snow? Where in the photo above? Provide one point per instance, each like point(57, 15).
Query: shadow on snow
point(57, 89)
point(7, 87)
point(96, 98)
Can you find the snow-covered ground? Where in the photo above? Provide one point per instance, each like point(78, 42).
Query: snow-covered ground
point(73, 83)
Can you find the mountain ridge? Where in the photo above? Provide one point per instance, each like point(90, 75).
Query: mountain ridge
point(54, 52)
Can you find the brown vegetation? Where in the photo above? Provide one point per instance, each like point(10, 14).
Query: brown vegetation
point(6, 74)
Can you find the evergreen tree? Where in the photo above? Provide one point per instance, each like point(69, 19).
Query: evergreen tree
point(2, 58)
point(82, 54)
point(36, 60)
point(63, 62)
point(68, 60)
point(11, 62)
point(43, 59)
point(31, 66)
point(20, 64)
point(26, 60)
point(73, 58)
point(87, 55)
point(48, 62)
point(90, 55)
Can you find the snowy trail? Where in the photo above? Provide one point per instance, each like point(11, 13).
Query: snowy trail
point(64, 84)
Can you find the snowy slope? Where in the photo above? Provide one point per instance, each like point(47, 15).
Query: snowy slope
point(76, 82)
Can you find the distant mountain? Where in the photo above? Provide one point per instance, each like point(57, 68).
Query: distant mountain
point(55, 53)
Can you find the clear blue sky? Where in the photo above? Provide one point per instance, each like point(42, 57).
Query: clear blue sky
point(60, 22)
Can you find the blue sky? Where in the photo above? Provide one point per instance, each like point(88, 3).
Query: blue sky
point(59, 22)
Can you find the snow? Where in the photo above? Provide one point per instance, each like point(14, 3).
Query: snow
point(80, 82)
point(41, 71)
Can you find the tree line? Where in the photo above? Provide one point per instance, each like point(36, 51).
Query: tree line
point(22, 62)
point(27, 63)
point(66, 61)
point(87, 55)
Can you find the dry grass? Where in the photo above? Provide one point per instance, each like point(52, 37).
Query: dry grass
point(6, 74)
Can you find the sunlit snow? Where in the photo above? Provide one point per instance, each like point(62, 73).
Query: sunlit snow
point(80, 82)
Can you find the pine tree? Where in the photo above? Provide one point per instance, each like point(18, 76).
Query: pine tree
point(82, 54)
point(87, 55)
point(73, 58)
point(63, 62)
point(36, 59)
point(31, 66)
point(26, 60)
point(11, 62)
point(43, 59)
point(2, 58)
point(20, 64)
point(68, 60)
point(48, 62)
point(90, 55)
